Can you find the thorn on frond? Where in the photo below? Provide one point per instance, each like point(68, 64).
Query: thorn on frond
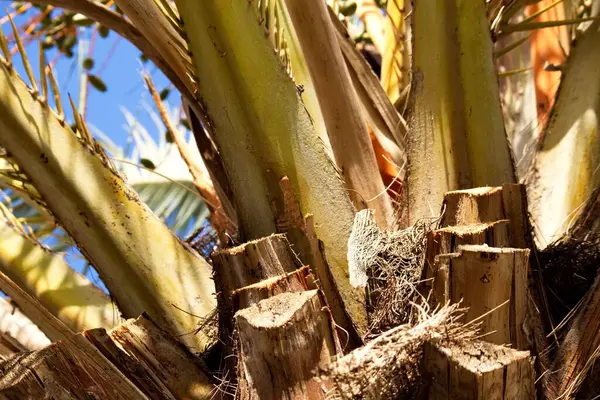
point(5, 50)
point(84, 134)
point(268, 17)
point(174, 20)
point(43, 80)
point(57, 100)
point(26, 64)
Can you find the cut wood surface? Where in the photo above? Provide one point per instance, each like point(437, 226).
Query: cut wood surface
point(447, 240)
point(59, 371)
point(133, 369)
point(138, 352)
point(76, 349)
point(284, 340)
point(246, 265)
point(9, 346)
point(488, 205)
point(297, 281)
point(478, 370)
point(252, 262)
point(182, 373)
point(492, 283)
point(472, 206)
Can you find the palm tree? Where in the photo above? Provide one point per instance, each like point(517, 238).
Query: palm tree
point(281, 105)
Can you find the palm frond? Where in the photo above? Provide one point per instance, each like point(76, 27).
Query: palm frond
point(168, 189)
point(141, 262)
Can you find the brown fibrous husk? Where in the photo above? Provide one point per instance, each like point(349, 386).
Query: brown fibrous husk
point(390, 264)
point(569, 268)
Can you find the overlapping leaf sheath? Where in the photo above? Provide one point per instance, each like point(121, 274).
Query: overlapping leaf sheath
point(263, 130)
point(457, 138)
point(563, 186)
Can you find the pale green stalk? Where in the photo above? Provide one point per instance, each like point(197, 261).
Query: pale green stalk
point(457, 137)
point(264, 132)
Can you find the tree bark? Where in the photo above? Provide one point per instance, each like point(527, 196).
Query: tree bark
point(284, 340)
point(478, 370)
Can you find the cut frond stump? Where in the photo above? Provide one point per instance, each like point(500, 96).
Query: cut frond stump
point(253, 262)
point(388, 367)
point(447, 240)
point(172, 365)
point(284, 341)
point(476, 370)
point(489, 205)
point(492, 284)
point(246, 265)
point(59, 371)
point(77, 350)
point(152, 363)
point(298, 281)
point(133, 369)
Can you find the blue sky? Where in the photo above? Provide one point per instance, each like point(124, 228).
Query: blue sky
point(122, 74)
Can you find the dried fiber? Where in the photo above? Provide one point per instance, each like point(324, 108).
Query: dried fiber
point(389, 264)
point(569, 268)
point(388, 367)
